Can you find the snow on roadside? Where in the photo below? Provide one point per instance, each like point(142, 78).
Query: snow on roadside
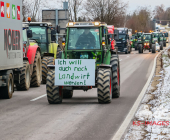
point(152, 120)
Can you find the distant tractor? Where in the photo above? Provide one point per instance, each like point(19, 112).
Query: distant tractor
point(147, 44)
point(89, 42)
point(157, 37)
point(44, 35)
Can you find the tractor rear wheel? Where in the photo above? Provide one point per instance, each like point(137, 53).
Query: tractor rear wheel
point(45, 62)
point(67, 94)
point(136, 46)
point(7, 91)
point(153, 48)
point(164, 44)
point(54, 93)
point(114, 62)
point(36, 75)
point(140, 48)
point(25, 77)
point(104, 85)
point(161, 45)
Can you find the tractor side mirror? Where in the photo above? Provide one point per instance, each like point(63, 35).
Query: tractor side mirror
point(58, 29)
point(109, 39)
point(29, 33)
point(116, 34)
point(53, 35)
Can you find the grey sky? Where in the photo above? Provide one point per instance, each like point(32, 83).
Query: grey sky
point(133, 4)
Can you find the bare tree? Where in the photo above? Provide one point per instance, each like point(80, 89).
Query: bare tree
point(109, 11)
point(140, 20)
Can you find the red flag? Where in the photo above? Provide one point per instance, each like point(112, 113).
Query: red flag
point(18, 12)
point(2, 9)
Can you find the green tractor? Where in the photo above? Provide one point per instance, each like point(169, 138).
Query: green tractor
point(139, 39)
point(44, 35)
point(87, 42)
point(146, 44)
point(157, 38)
point(133, 42)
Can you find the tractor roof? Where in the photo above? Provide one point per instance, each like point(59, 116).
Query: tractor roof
point(39, 23)
point(86, 24)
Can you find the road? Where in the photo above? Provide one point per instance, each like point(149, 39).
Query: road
point(26, 117)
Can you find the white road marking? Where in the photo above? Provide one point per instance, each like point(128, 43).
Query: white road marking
point(122, 129)
point(39, 97)
point(120, 60)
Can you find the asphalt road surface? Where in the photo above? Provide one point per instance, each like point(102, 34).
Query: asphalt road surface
point(28, 116)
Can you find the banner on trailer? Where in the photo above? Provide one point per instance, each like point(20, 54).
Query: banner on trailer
point(75, 72)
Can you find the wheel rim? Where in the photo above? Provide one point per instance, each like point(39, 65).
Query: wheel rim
point(118, 76)
point(27, 77)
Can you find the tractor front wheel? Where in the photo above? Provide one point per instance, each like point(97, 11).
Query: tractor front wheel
point(140, 48)
point(54, 93)
point(45, 62)
point(104, 85)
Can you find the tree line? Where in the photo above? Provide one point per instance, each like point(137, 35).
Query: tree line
point(113, 12)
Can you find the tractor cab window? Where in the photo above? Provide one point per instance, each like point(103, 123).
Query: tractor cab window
point(39, 34)
point(156, 35)
point(24, 34)
point(133, 37)
point(166, 34)
point(83, 38)
point(122, 37)
point(146, 37)
point(161, 35)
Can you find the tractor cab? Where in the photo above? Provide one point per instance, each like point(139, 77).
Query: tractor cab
point(147, 38)
point(44, 35)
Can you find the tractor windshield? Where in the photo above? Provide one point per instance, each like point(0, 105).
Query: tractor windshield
point(123, 37)
point(156, 35)
point(83, 39)
point(166, 34)
point(39, 34)
point(161, 35)
point(147, 37)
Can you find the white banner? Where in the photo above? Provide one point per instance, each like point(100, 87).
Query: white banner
point(75, 72)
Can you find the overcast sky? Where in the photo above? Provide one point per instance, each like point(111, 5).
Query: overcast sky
point(133, 4)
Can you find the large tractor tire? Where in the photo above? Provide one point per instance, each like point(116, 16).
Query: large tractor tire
point(54, 93)
point(164, 44)
point(140, 48)
point(104, 85)
point(25, 77)
point(161, 45)
point(7, 91)
point(114, 62)
point(36, 75)
point(67, 94)
point(136, 46)
point(45, 62)
point(153, 48)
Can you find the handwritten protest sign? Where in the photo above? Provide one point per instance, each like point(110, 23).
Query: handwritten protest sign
point(75, 72)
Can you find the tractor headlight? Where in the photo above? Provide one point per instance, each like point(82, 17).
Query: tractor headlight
point(147, 43)
point(144, 43)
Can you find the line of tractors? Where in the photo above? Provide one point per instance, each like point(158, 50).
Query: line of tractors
point(148, 41)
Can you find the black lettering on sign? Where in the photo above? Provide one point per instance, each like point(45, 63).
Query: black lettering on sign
point(11, 40)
